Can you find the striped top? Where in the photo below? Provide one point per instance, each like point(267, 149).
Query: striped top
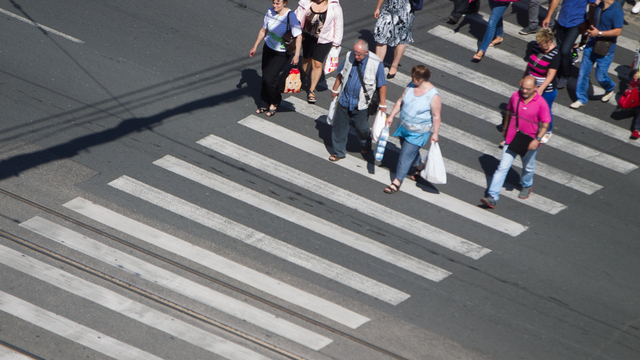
point(539, 64)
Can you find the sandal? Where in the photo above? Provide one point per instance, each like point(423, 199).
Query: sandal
point(261, 110)
point(335, 157)
point(415, 176)
point(496, 41)
point(392, 189)
point(311, 97)
point(479, 55)
point(271, 112)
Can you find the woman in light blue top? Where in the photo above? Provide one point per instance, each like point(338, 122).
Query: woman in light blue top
point(419, 109)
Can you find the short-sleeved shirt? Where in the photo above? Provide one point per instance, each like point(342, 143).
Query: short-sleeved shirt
point(573, 12)
point(540, 63)
point(530, 115)
point(612, 18)
point(352, 86)
point(276, 28)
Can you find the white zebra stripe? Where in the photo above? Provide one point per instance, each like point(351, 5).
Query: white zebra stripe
point(180, 285)
point(345, 198)
point(453, 168)
point(255, 238)
point(302, 218)
point(482, 145)
point(496, 54)
point(382, 175)
point(127, 307)
point(71, 330)
point(507, 90)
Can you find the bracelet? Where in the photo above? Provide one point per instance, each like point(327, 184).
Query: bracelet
point(382, 106)
point(335, 92)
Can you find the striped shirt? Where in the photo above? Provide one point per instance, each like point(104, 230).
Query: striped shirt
point(540, 63)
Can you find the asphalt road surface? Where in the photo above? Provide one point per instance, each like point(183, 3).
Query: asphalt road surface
point(146, 212)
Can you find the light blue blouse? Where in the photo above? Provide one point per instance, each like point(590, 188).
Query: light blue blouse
point(415, 116)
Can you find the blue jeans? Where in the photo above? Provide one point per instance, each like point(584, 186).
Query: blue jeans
point(409, 156)
point(550, 97)
point(494, 26)
point(602, 66)
point(528, 167)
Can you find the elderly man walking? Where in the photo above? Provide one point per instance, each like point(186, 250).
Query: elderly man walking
point(360, 71)
point(527, 113)
point(600, 49)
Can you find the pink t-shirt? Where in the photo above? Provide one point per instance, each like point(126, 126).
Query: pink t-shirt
point(530, 115)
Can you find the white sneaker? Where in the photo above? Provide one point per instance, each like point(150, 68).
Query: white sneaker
point(608, 96)
point(576, 105)
point(636, 8)
point(545, 138)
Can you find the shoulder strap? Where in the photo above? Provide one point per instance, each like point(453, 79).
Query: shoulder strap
point(364, 89)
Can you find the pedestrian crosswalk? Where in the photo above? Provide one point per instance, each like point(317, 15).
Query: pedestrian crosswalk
point(392, 255)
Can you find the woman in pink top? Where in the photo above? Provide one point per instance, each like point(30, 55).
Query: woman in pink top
point(322, 27)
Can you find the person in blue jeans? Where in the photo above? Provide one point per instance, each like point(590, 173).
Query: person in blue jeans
point(533, 119)
point(495, 30)
point(609, 22)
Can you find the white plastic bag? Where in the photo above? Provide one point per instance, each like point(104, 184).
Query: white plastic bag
point(434, 172)
point(331, 64)
point(378, 125)
point(332, 110)
point(382, 145)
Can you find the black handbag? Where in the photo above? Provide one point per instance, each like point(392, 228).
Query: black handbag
point(520, 143)
point(374, 100)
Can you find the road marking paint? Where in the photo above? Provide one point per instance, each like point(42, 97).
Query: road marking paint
point(507, 90)
point(499, 55)
point(33, 23)
point(514, 30)
point(453, 168)
point(301, 218)
point(255, 238)
point(216, 262)
point(180, 285)
point(71, 330)
point(125, 306)
point(346, 198)
point(382, 175)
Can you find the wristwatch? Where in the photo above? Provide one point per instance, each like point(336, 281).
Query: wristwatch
point(538, 138)
point(599, 33)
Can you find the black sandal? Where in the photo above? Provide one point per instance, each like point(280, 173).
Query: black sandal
point(271, 112)
point(311, 97)
point(261, 110)
point(392, 190)
point(415, 176)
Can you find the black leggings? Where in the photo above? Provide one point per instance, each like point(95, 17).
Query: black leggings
point(566, 37)
point(272, 64)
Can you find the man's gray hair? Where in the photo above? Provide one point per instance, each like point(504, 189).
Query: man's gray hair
point(363, 43)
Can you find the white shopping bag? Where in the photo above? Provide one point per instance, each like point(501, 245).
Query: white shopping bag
point(382, 145)
point(434, 172)
point(378, 125)
point(331, 64)
point(332, 110)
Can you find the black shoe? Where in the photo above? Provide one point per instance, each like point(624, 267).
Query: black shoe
point(453, 20)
